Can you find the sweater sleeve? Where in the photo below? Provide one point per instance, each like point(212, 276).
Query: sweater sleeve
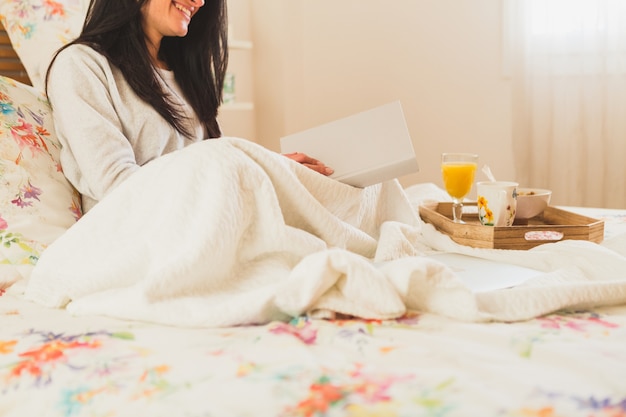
point(95, 156)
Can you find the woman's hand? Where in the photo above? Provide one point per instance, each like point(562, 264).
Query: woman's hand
point(309, 162)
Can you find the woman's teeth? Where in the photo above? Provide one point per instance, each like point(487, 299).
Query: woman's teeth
point(187, 12)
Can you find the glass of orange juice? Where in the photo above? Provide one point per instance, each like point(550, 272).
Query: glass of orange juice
point(458, 171)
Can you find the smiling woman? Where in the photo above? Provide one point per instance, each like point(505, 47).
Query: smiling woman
point(143, 79)
point(150, 104)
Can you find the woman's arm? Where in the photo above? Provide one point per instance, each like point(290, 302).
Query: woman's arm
point(96, 155)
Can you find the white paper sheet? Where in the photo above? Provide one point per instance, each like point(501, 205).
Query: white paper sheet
point(484, 275)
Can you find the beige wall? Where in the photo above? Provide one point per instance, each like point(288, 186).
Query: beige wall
point(239, 118)
point(317, 60)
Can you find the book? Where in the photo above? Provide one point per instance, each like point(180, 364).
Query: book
point(363, 149)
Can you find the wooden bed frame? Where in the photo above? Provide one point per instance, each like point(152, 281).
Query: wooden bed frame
point(10, 64)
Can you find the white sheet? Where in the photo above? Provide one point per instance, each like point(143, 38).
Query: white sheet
point(226, 232)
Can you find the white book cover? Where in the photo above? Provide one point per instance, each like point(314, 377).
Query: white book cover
point(364, 149)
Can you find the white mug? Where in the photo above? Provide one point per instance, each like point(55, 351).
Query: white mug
point(497, 202)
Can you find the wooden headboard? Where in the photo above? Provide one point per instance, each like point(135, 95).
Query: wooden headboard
point(10, 65)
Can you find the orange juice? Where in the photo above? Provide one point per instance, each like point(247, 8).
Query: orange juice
point(458, 178)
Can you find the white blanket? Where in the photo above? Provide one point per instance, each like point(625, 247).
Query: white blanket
point(226, 232)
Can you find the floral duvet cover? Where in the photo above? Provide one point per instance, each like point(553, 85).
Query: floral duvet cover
point(567, 364)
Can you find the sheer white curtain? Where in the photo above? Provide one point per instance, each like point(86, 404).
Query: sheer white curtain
point(567, 62)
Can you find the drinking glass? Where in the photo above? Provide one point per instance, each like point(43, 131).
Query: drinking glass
point(458, 171)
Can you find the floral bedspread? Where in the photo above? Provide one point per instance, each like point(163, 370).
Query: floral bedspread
point(569, 364)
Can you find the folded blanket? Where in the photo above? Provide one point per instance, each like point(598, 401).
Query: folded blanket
point(225, 232)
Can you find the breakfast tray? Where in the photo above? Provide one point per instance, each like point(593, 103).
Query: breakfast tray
point(553, 225)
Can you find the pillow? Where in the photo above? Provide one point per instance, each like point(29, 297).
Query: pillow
point(37, 203)
point(37, 28)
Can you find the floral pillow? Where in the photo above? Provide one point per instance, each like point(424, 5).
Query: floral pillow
point(37, 28)
point(37, 203)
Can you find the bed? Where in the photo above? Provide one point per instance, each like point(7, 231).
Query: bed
point(420, 344)
point(564, 364)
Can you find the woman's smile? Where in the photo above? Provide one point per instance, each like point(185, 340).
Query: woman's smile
point(187, 12)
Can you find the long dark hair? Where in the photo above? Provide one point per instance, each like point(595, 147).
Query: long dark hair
point(198, 60)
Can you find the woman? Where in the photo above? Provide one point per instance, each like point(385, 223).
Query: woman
point(144, 78)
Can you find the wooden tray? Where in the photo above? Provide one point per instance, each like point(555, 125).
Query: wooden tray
point(552, 225)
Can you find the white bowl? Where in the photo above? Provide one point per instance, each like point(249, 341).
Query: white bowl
point(531, 202)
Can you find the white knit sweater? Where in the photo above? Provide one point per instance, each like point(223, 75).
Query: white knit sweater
point(107, 132)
